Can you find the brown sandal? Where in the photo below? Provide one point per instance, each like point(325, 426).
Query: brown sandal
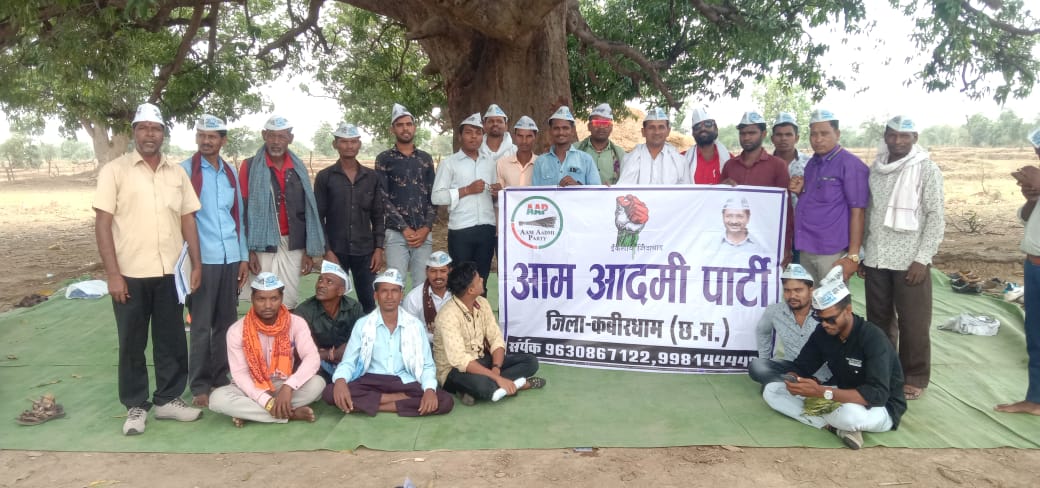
point(42, 411)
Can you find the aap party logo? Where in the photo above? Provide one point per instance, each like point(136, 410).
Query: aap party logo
point(537, 222)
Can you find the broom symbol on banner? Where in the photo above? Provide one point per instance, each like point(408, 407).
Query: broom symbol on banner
point(542, 222)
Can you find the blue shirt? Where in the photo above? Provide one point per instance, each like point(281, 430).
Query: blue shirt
point(386, 352)
point(218, 241)
point(549, 170)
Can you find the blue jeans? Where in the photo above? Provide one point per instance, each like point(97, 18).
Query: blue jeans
point(407, 260)
point(1032, 299)
point(765, 371)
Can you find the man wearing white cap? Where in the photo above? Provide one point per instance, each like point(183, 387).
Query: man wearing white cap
point(145, 209)
point(407, 173)
point(905, 225)
point(706, 157)
point(832, 201)
point(331, 315)
point(737, 243)
point(350, 205)
point(563, 165)
point(469, 349)
point(865, 393)
point(656, 162)
point(426, 300)
point(607, 155)
point(785, 139)
point(388, 365)
point(516, 169)
point(262, 347)
point(496, 143)
point(463, 184)
point(1028, 177)
point(792, 322)
point(283, 228)
point(213, 307)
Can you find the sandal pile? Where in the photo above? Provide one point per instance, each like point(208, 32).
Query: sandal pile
point(42, 410)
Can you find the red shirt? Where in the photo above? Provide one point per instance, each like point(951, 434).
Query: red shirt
point(279, 174)
point(708, 172)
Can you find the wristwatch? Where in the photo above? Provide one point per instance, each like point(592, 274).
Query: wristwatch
point(828, 394)
point(853, 257)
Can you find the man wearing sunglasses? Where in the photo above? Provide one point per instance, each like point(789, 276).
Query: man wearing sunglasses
point(867, 381)
point(709, 154)
point(607, 155)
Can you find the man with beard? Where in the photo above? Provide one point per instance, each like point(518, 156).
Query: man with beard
point(283, 228)
point(563, 165)
point(331, 315)
point(496, 144)
point(516, 169)
point(790, 321)
point(213, 307)
point(656, 162)
point(607, 155)
point(145, 213)
point(350, 204)
point(425, 301)
point(905, 225)
point(705, 159)
point(463, 183)
point(270, 386)
point(407, 174)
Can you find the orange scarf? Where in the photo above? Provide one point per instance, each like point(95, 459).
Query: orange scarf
point(281, 353)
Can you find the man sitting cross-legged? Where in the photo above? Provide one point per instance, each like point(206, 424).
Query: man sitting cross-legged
point(261, 349)
point(468, 346)
point(426, 300)
point(388, 366)
point(331, 315)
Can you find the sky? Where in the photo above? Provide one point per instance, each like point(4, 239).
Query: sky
point(878, 91)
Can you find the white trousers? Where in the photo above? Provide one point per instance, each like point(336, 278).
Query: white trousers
point(849, 416)
point(285, 264)
point(231, 401)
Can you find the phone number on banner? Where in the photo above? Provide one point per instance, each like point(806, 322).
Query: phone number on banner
point(627, 356)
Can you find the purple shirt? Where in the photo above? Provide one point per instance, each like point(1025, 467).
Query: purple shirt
point(834, 184)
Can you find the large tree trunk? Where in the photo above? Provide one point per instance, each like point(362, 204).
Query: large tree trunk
point(108, 144)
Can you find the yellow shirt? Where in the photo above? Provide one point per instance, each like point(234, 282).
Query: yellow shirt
point(512, 173)
point(146, 207)
point(459, 336)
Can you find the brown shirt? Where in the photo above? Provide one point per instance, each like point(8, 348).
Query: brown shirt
point(460, 336)
point(146, 207)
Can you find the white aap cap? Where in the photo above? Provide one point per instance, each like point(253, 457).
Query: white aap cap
point(347, 131)
point(562, 113)
point(602, 110)
point(736, 204)
point(656, 113)
point(526, 123)
point(830, 290)
point(335, 269)
point(277, 122)
point(398, 112)
point(391, 276)
point(902, 123)
point(1034, 137)
point(495, 111)
point(795, 271)
point(785, 118)
point(699, 115)
point(266, 281)
point(751, 118)
point(210, 122)
point(438, 259)
point(473, 120)
point(147, 112)
point(822, 115)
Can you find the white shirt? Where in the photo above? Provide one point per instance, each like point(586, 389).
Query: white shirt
point(455, 172)
point(507, 148)
point(412, 302)
point(668, 168)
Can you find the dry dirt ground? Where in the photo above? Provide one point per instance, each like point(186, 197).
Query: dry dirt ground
point(48, 238)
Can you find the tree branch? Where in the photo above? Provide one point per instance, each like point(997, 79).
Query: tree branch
point(999, 24)
point(282, 43)
point(178, 60)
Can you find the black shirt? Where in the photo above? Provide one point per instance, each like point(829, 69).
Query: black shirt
point(351, 212)
point(408, 181)
point(866, 362)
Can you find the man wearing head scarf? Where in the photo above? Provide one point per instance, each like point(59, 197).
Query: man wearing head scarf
point(283, 228)
point(463, 184)
point(331, 315)
point(145, 210)
point(262, 347)
point(865, 393)
point(656, 162)
point(791, 322)
point(497, 143)
point(607, 155)
point(707, 156)
point(213, 307)
point(1028, 178)
point(425, 301)
point(563, 165)
point(516, 169)
point(905, 225)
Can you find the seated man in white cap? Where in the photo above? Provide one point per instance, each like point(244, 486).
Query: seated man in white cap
point(905, 225)
point(469, 349)
point(656, 162)
point(283, 228)
point(496, 144)
point(463, 184)
point(331, 315)
point(516, 169)
point(388, 365)
point(865, 393)
point(607, 155)
point(792, 322)
point(563, 165)
point(261, 348)
point(425, 301)
point(707, 156)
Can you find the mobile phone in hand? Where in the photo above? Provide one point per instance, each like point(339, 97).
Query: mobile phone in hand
point(790, 378)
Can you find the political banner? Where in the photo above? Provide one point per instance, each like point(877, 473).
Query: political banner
point(649, 278)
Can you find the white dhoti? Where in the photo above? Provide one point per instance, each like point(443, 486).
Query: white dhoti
point(231, 401)
point(285, 264)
